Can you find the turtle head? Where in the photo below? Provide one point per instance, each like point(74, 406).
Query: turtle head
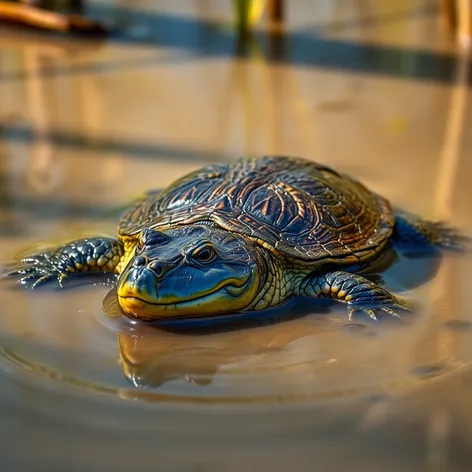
point(189, 271)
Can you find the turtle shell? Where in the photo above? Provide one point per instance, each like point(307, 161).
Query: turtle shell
point(290, 205)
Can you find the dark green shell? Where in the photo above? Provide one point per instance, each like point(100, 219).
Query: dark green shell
point(295, 206)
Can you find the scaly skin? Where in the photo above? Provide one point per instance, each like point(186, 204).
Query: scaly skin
point(277, 286)
point(358, 292)
point(98, 254)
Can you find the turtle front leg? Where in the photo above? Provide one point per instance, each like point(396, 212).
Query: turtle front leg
point(359, 293)
point(98, 254)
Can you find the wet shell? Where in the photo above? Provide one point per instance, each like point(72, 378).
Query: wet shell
point(290, 205)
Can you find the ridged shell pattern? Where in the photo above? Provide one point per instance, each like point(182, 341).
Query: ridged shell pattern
point(292, 205)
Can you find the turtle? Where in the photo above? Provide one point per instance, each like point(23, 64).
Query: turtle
point(246, 236)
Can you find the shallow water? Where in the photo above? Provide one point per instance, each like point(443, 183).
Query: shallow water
point(86, 127)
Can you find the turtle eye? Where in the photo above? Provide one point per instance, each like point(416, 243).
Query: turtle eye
point(204, 254)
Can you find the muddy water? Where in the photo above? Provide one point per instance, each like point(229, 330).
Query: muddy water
point(86, 127)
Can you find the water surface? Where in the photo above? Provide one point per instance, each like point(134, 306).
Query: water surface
point(87, 127)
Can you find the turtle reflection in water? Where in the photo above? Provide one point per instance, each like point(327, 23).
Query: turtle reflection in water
point(152, 357)
point(244, 237)
point(273, 356)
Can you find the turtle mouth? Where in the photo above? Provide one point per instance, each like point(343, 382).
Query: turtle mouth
point(229, 288)
point(213, 302)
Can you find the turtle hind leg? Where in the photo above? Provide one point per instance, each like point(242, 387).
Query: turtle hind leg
point(98, 254)
point(413, 232)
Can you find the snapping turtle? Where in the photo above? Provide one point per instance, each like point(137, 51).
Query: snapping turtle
point(246, 236)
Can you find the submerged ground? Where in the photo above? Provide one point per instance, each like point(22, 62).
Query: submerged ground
point(86, 126)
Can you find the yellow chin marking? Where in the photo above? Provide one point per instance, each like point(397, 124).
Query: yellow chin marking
point(212, 304)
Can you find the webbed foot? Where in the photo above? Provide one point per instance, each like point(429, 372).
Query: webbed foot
point(374, 312)
point(36, 270)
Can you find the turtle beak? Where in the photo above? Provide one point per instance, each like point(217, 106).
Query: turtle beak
point(140, 281)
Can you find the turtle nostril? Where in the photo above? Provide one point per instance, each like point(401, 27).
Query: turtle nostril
point(158, 268)
point(139, 261)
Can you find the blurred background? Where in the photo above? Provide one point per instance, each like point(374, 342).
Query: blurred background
point(101, 100)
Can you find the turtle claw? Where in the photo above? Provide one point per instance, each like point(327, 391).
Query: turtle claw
point(27, 278)
point(35, 271)
point(370, 313)
point(36, 278)
point(374, 313)
point(34, 259)
point(43, 280)
point(22, 271)
point(350, 311)
point(392, 312)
